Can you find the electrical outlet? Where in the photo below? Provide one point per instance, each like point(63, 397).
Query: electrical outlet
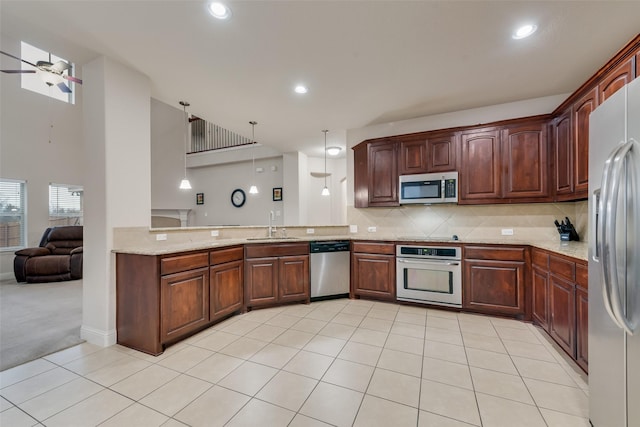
point(372, 229)
point(311, 230)
point(215, 233)
point(507, 231)
point(353, 229)
point(161, 237)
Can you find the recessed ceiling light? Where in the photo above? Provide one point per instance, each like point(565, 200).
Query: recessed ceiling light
point(524, 31)
point(219, 10)
point(333, 151)
point(301, 89)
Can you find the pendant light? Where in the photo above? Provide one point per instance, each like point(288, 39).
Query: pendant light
point(253, 189)
point(185, 184)
point(325, 190)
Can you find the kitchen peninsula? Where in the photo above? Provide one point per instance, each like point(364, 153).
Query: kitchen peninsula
point(170, 289)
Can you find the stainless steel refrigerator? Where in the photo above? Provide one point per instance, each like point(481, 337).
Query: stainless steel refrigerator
point(614, 260)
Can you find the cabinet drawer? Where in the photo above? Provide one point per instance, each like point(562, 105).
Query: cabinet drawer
point(280, 249)
point(374, 248)
point(562, 268)
point(226, 255)
point(495, 253)
point(179, 263)
point(540, 258)
point(582, 276)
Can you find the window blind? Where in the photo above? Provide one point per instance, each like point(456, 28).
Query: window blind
point(12, 213)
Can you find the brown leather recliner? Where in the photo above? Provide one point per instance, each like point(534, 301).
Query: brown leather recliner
point(58, 258)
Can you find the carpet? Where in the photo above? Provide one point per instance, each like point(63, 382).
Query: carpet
point(37, 319)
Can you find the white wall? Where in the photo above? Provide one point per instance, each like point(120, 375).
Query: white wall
point(116, 130)
point(326, 210)
point(218, 182)
point(492, 113)
point(25, 150)
point(167, 157)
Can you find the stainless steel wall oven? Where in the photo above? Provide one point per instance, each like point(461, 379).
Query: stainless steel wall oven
point(431, 274)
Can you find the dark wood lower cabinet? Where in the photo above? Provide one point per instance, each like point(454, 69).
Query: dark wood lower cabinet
point(225, 288)
point(563, 314)
point(540, 297)
point(560, 303)
point(373, 270)
point(165, 298)
point(276, 273)
point(494, 280)
point(582, 328)
point(185, 302)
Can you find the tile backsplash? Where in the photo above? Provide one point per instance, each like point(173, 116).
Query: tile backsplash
point(530, 222)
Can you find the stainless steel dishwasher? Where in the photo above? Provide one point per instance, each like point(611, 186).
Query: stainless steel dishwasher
point(329, 269)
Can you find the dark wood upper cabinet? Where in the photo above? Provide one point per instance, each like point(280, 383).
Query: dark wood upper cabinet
point(615, 80)
point(581, 111)
point(637, 65)
point(383, 173)
point(413, 156)
point(441, 153)
point(360, 177)
point(525, 161)
point(480, 165)
point(563, 154)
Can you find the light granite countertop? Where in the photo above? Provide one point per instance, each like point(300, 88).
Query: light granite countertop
point(577, 250)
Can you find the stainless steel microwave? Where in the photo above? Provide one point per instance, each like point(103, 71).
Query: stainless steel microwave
point(429, 188)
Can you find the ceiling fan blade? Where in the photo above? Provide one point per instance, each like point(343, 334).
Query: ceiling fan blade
point(19, 59)
point(63, 87)
point(59, 67)
point(18, 71)
point(72, 79)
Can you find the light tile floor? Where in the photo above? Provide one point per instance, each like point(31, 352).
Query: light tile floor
point(339, 362)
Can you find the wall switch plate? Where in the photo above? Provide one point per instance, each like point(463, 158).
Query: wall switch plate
point(311, 230)
point(353, 229)
point(507, 231)
point(259, 170)
point(161, 237)
point(372, 229)
point(215, 233)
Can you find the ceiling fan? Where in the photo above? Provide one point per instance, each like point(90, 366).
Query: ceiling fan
point(52, 74)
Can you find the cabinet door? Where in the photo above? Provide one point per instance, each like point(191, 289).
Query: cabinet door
point(615, 80)
point(582, 328)
point(441, 153)
point(293, 272)
point(525, 161)
point(373, 276)
point(563, 154)
point(225, 288)
point(383, 174)
point(360, 177)
point(494, 287)
point(562, 307)
point(540, 297)
point(185, 303)
point(581, 110)
point(480, 169)
point(413, 156)
point(261, 281)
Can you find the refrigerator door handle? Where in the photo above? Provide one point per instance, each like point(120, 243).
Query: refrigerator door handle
point(603, 229)
point(616, 180)
point(595, 226)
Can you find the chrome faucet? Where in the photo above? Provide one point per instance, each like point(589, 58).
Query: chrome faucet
point(272, 228)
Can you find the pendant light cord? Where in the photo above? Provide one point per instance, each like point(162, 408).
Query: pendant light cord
point(253, 149)
point(186, 120)
point(325, 157)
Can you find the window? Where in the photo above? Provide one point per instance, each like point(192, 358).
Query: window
point(35, 82)
point(12, 214)
point(65, 204)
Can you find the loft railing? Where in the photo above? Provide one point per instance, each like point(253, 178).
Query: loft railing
point(206, 136)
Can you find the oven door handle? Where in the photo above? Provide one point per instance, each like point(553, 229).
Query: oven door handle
point(406, 261)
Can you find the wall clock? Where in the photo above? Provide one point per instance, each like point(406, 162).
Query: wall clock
point(238, 198)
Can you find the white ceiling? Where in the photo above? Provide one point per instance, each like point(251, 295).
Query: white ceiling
point(365, 62)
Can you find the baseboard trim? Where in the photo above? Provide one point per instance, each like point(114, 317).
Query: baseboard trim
point(6, 276)
point(97, 336)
